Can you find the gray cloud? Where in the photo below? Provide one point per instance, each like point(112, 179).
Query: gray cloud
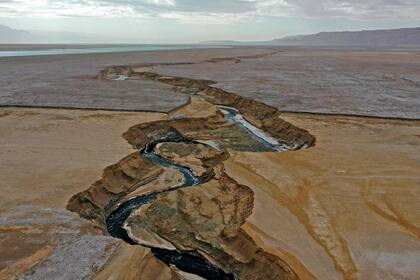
point(190, 6)
point(360, 9)
point(238, 9)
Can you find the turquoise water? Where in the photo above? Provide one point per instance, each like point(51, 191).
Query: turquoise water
point(101, 50)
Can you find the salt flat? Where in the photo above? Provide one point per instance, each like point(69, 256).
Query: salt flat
point(383, 83)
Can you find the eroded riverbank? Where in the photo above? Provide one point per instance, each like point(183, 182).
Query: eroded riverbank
point(145, 218)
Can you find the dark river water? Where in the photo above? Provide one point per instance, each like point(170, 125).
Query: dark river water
point(185, 261)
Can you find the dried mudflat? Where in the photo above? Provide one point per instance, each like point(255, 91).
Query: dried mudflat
point(69, 81)
point(370, 82)
point(383, 83)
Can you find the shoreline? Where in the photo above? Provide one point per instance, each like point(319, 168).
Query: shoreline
point(101, 50)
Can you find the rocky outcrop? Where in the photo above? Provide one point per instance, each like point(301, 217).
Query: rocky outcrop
point(141, 134)
point(117, 181)
point(198, 157)
point(207, 220)
point(134, 171)
point(214, 129)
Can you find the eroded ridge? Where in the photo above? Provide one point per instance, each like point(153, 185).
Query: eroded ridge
point(193, 219)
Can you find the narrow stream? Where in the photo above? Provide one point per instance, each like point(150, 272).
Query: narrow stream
point(234, 116)
point(185, 261)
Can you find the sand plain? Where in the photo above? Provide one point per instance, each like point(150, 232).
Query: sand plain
point(347, 208)
point(47, 155)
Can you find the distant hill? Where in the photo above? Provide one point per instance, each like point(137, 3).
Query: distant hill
point(10, 35)
point(374, 38)
point(365, 38)
point(15, 36)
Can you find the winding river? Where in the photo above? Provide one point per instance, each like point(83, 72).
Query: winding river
point(185, 261)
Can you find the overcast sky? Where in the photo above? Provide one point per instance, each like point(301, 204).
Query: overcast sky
point(182, 21)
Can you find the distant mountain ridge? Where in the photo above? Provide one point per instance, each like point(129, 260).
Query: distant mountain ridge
point(16, 36)
point(365, 38)
point(10, 35)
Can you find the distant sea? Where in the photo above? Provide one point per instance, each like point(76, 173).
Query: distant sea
point(88, 50)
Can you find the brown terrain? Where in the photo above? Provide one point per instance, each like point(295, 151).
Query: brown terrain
point(341, 203)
